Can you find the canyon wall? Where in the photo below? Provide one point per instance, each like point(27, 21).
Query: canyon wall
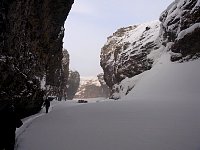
point(31, 33)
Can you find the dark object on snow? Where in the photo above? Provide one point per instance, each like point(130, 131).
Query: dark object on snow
point(8, 125)
point(82, 101)
point(50, 98)
point(47, 104)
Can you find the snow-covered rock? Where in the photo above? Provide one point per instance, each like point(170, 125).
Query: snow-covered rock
point(129, 52)
point(90, 87)
point(181, 25)
point(105, 88)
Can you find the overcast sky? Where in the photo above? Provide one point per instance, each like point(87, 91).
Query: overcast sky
point(90, 22)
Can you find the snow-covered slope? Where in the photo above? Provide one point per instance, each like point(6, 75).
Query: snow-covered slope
point(170, 81)
point(166, 80)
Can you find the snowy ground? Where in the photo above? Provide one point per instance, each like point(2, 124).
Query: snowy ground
point(161, 113)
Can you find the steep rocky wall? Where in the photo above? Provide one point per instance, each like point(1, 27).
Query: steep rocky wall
point(131, 51)
point(61, 90)
point(181, 25)
point(73, 84)
point(126, 52)
point(31, 34)
point(105, 88)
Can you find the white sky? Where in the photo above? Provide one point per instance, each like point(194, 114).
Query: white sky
point(90, 22)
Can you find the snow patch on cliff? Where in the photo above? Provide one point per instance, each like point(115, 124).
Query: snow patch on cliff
point(188, 30)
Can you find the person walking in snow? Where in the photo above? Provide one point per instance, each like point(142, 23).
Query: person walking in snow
point(8, 125)
point(47, 104)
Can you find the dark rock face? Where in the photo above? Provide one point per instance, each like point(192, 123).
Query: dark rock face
point(31, 34)
point(105, 88)
point(65, 74)
point(60, 90)
point(126, 52)
point(73, 84)
point(181, 25)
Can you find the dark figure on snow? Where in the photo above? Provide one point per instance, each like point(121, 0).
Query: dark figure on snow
point(8, 124)
point(47, 104)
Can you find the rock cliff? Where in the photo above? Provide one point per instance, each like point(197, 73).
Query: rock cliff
point(128, 52)
point(31, 34)
point(60, 90)
point(72, 84)
point(181, 26)
point(105, 88)
point(135, 49)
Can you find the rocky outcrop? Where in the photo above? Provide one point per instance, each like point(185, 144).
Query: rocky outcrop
point(131, 51)
point(61, 90)
point(31, 34)
point(65, 74)
point(73, 84)
point(181, 26)
point(92, 87)
point(127, 52)
point(105, 88)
